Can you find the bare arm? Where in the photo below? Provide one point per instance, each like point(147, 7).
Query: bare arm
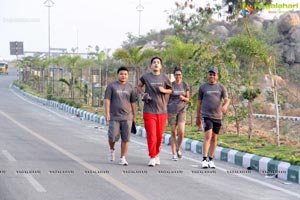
point(185, 98)
point(133, 106)
point(198, 115)
point(140, 87)
point(107, 109)
point(225, 105)
point(165, 91)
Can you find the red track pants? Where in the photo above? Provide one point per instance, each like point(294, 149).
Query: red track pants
point(155, 126)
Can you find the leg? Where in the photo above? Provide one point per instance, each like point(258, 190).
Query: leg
point(150, 126)
point(125, 135)
point(173, 139)
point(217, 124)
point(206, 143)
point(161, 124)
point(113, 132)
point(124, 148)
point(213, 145)
point(111, 144)
point(181, 126)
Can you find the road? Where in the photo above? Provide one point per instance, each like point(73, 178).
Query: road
point(48, 154)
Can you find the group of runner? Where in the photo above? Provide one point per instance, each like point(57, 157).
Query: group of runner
point(163, 101)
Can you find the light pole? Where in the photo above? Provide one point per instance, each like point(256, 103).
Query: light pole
point(49, 4)
point(140, 8)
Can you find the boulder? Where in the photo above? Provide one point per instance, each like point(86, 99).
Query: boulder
point(294, 34)
point(289, 56)
point(287, 21)
point(221, 31)
point(297, 53)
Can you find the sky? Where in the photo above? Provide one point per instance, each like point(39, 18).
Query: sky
point(86, 22)
point(90, 22)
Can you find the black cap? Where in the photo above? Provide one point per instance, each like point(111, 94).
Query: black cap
point(213, 69)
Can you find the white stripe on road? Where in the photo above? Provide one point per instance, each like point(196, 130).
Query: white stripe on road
point(135, 194)
point(8, 156)
point(38, 187)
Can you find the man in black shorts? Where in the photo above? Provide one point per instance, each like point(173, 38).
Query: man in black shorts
point(120, 111)
point(209, 113)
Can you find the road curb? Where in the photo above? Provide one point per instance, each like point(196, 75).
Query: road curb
point(263, 165)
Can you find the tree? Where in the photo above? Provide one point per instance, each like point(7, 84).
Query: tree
point(188, 19)
point(253, 57)
point(134, 57)
point(74, 65)
point(177, 53)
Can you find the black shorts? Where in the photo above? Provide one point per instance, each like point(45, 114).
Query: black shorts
point(214, 124)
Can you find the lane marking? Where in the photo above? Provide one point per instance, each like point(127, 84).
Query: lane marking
point(106, 177)
point(37, 186)
point(239, 175)
point(8, 156)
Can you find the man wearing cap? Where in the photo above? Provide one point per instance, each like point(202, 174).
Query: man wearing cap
point(212, 102)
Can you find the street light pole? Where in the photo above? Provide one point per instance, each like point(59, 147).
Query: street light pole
point(49, 4)
point(140, 8)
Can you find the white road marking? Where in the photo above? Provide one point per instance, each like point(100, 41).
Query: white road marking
point(135, 194)
point(8, 156)
point(37, 186)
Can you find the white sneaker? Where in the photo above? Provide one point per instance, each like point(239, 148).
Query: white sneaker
point(174, 158)
point(211, 164)
point(204, 164)
point(179, 154)
point(151, 162)
point(123, 161)
point(111, 155)
point(157, 160)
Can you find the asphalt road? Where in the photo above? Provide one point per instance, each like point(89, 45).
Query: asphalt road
point(48, 154)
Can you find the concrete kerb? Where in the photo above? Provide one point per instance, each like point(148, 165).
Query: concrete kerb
point(263, 165)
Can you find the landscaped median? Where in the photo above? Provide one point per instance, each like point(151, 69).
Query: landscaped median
point(263, 165)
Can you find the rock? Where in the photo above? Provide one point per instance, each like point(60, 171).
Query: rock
point(267, 23)
point(289, 56)
point(287, 21)
point(297, 53)
point(221, 31)
point(257, 24)
point(294, 34)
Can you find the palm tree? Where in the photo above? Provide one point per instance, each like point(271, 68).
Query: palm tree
point(134, 57)
point(74, 65)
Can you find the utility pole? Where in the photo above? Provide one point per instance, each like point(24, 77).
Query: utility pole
point(140, 8)
point(49, 4)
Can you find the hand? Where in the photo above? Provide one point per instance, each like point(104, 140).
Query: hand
point(199, 124)
point(134, 119)
point(162, 89)
point(182, 98)
point(224, 109)
point(107, 118)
